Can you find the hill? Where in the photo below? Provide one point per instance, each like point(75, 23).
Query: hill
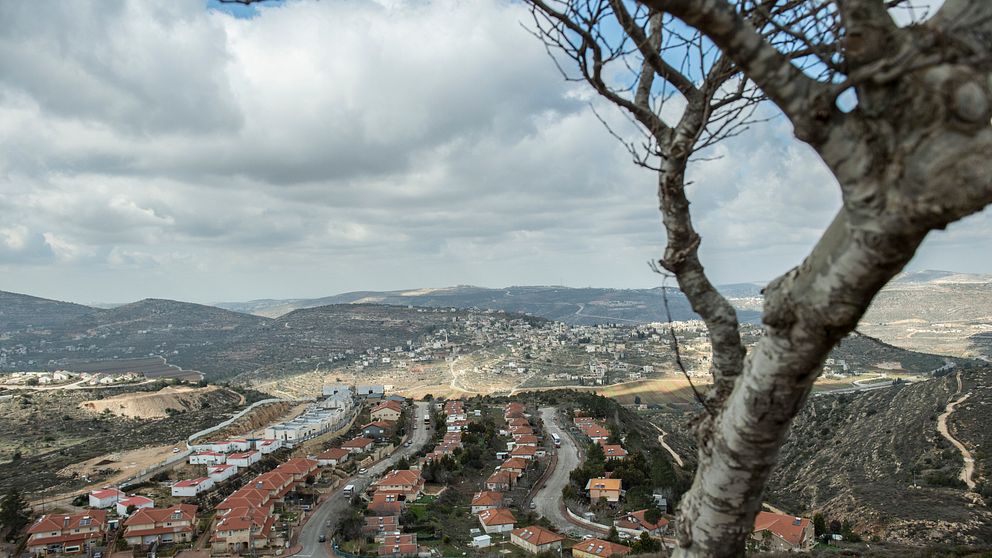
point(576, 306)
point(877, 459)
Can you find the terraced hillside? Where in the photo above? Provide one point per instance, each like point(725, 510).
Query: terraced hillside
point(877, 460)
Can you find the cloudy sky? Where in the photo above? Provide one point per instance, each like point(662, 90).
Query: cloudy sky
point(166, 149)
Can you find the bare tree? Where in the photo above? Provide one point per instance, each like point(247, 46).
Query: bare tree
point(911, 152)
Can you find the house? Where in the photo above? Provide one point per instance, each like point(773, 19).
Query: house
point(604, 488)
point(207, 458)
point(635, 523)
point(387, 410)
point(222, 472)
point(525, 440)
point(500, 481)
point(358, 445)
point(497, 520)
point(524, 452)
point(784, 532)
point(404, 482)
point(219, 446)
point(168, 525)
point(106, 498)
point(378, 429)
point(273, 485)
point(381, 525)
point(241, 529)
point(67, 534)
point(598, 548)
point(456, 425)
point(536, 539)
point(384, 503)
point(614, 452)
point(335, 389)
point(370, 391)
point(486, 500)
point(341, 401)
point(597, 433)
point(267, 446)
point(245, 459)
point(515, 465)
point(520, 421)
point(239, 445)
point(192, 487)
point(399, 545)
point(332, 457)
point(138, 502)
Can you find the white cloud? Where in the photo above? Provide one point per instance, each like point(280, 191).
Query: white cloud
point(162, 149)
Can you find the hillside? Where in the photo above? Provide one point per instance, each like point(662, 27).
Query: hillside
point(877, 460)
point(584, 306)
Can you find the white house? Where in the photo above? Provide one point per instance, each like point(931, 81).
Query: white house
point(137, 501)
point(207, 458)
point(267, 446)
point(246, 459)
point(105, 498)
point(336, 388)
point(239, 445)
point(192, 487)
point(219, 446)
point(220, 473)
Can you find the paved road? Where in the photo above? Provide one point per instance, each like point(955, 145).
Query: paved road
point(325, 519)
point(548, 498)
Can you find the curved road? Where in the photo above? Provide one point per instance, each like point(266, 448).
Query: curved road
point(968, 470)
point(548, 498)
point(325, 519)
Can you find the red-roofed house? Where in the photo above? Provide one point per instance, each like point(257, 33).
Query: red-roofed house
point(525, 440)
point(192, 487)
point(240, 529)
point(245, 459)
point(536, 539)
point(405, 482)
point(222, 472)
point(598, 548)
point(332, 457)
point(785, 531)
point(525, 452)
point(105, 498)
point(358, 445)
point(66, 534)
point(167, 525)
point(399, 545)
point(387, 410)
point(207, 458)
point(385, 503)
point(497, 520)
point(381, 525)
point(500, 481)
point(515, 465)
point(487, 500)
point(138, 502)
point(635, 523)
point(614, 452)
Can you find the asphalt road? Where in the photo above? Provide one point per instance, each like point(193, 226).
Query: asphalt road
point(325, 518)
point(548, 498)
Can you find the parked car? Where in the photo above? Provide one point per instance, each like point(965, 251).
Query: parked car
point(322, 538)
point(362, 471)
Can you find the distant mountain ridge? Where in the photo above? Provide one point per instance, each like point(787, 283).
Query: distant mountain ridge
point(576, 306)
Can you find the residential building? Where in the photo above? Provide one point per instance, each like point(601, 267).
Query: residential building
point(387, 410)
point(497, 520)
point(207, 458)
point(245, 459)
point(377, 526)
point(192, 487)
point(487, 500)
point(500, 481)
point(604, 488)
point(266, 446)
point(241, 529)
point(133, 503)
point(378, 429)
point(784, 532)
point(106, 498)
point(408, 484)
point(67, 534)
point(332, 457)
point(399, 545)
point(598, 548)
point(222, 472)
point(635, 523)
point(613, 452)
point(524, 452)
point(536, 539)
point(168, 525)
point(384, 503)
point(358, 445)
point(370, 391)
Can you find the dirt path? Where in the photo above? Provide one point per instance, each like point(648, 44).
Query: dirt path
point(661, 440)
point(968, 471)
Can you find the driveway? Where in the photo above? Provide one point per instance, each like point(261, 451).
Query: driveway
point(325, 519)
point(548, 498)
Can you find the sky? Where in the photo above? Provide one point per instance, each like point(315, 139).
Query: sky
point(172, 150)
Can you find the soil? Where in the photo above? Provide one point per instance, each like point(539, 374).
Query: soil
point(151, 405)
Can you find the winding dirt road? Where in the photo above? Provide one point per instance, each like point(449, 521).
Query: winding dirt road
point(968, 471)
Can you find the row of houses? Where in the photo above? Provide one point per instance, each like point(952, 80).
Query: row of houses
point(244, 520)
point(55, 534)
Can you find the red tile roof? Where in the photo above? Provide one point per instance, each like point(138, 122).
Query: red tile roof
point(537, 535)
point(601, 548)
point(487, 498)
point(60, 521)
point(497, 516)
point(788, 527)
